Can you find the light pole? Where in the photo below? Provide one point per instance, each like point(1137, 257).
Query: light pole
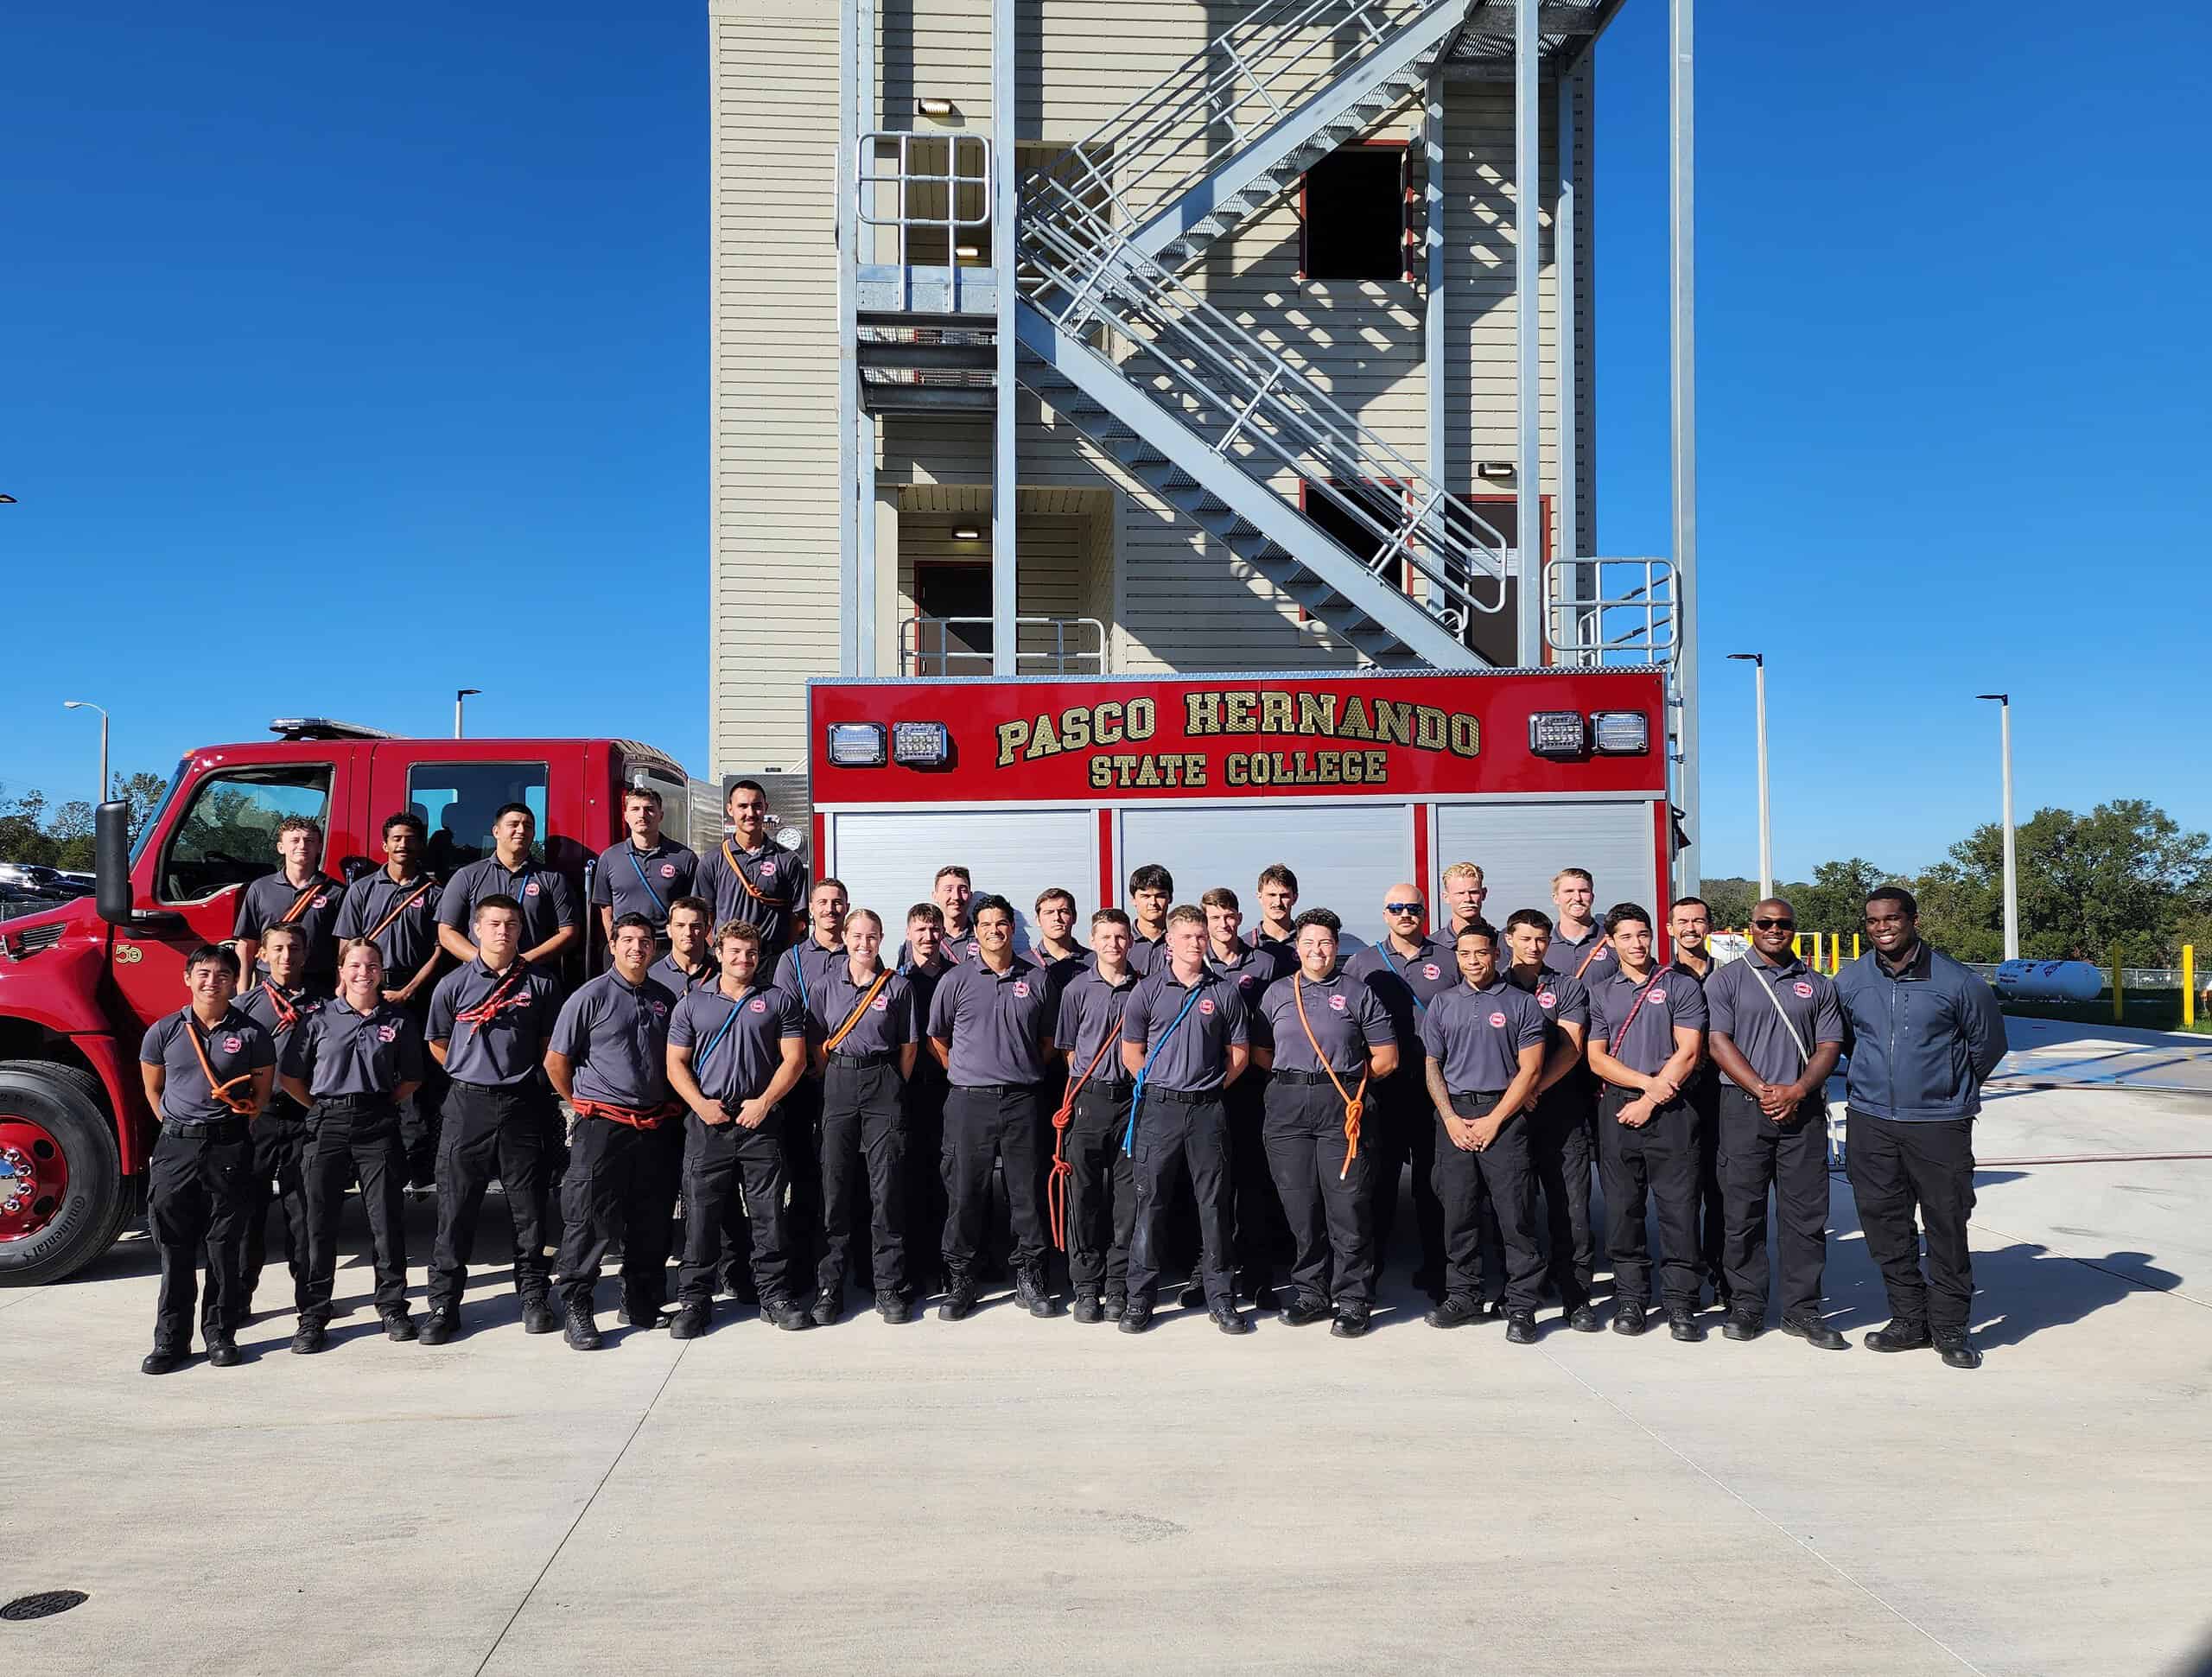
point(459, 694)
point(87, 704)
point(1757, 661)
point(2012, 867)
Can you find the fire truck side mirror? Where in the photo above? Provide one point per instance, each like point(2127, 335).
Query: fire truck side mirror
point(111, 863)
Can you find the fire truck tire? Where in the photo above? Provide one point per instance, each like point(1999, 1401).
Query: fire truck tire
point(54, 1126)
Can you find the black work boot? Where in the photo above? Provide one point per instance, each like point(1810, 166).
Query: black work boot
point(1307, 1309)
point(828, 1305)
point(1520, 1327)
point(1137, 1317)
point(959, 1302)
point(582, 1333)
point(438, 1327)
point(1583, 1319)
point(1899, 1335)
point(1030, 1294)
point(690, 1321)
point(1682, 1324)
point(308, 1338)
point(1087, 1306)
point(1628, 1317)
point(399, 1327)
point(538, 1316)
point(1955, 1345)
point(1351, 1323)
point(785, 1313)
point(640, 1310)
point(223, 1353)
point(1116, 1302)
point(1456, 1311)
point(1744, 1324)
point(891, 1305)
point(162, 1361)
point(1229, 1319)
point(1815, 1333)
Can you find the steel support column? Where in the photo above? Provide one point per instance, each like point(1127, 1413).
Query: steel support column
point(864, 444)
point(848, 366)
point(1681, 150)
point(1527, 174)
point(1433, 316)
point(1005, 589)
point(1571, 545)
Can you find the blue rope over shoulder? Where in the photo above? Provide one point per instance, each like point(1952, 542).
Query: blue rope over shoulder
point(1136, 1092)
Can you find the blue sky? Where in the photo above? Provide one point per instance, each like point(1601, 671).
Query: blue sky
point(355, 357)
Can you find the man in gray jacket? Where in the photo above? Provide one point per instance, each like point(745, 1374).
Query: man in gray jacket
point(1923, 1033)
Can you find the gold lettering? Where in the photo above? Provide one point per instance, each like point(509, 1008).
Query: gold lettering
point(1143, 715)
point(1125, 767)
point(1194, 769)
point(1275, 712)
point(1428, 728)
point(1075, 729)
point(1355, 725)
point(1102, 773)
point(1394, 723)
point(1043, 741)
point(1328, 763)
point(1237, 708)
point(1147, 771)
point(1316, 713)
point(1467, 735)
point(1201, 715)
point(1235, 770)
point(1378, 767)
point(1012, 736)
point(1106, 723)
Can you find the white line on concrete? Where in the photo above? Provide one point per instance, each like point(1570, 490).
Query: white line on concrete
point(1737, 1496)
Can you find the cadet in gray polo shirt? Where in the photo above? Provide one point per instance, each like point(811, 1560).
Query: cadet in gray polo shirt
point(1558, 1117)
point(800, 971)
point(990, 1026)
point(1647, 1032)
point(296, 894)
point(1185, 1039)
point(548, 907)
point(645, 872)
point(609, 1060)
point(1485, 1041)
point(1152, 888)
point(489, 1023)
point(1327, 1041)
point(751, 879)
point(1260, 1233)
point(1777, 1032)
point(397, 908)
point(353, 1062)
point(1102, 1204)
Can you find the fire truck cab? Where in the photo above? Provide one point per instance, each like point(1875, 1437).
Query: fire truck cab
point(81, 983)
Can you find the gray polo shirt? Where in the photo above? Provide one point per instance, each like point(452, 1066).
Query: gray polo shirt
point(633, 881)
point(1090, 1014)
point(995, 1022)
point(412, 935)
point(1284, 951)
point(1193, 1056)
point(1647, 1042)
point(680, 983)
point(1251, 973)
point(801, 968)
point(1476, 1036)
point(547, 903)
point(736, 1046)
point(268, 899)
point(887, 1023)
point(1347, 1016)
point(1749, 1019)
point(235, 1046)
point(336, 1051)
point(1145, 953)
point(505, 1049)
point(1407, 988)
point(777, 873)
point(1565, 999)
point(616, 1034)
point(1588, 957)
point(277, 1012)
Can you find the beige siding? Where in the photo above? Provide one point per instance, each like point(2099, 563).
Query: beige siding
point(774, 331)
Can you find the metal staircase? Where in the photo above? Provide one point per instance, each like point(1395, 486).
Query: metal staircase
point(1200, 409)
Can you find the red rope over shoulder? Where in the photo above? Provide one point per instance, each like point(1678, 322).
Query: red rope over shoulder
point(512, 991)
point(242, 1105)
point(1354, 1104)
point(1056, 1184)
point(286, 1014)
point(300, 903)
point(635, 1117)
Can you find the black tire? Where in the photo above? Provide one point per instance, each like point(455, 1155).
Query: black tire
point(68, 1103)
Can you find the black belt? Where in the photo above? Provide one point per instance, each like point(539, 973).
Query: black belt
point(353, 1102)
point(493, 1088)
point(876, 1056)
point(204, 1129)
point(1283, 1077)
point(1474, 1094)
point(1099, 1086)
point(1184, 1097)
point(996, 1088)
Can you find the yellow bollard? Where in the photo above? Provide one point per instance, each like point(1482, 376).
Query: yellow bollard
point(1855, 946)
point(1835, 955)
point(2189, 987)
point(1796, 944)
point(2119, 994)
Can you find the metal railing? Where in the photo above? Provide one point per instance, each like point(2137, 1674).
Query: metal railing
point(1249, 405)
point(1263, 67)
point(916, 659)
point(1611, 611)
point(919, 212)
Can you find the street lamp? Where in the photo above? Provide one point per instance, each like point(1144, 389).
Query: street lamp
point(86, 704)
point(2004, 702)
point(1757, 661)
point(459, 694)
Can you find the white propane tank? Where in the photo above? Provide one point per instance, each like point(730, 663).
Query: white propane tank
point(2050, 980)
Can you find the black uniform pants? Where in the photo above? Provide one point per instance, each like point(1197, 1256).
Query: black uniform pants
point(1263, 1234)
point(1502, 1175)
point(419, 1118)
point(1406, 1133)
point(1896, 1168)
point(349, 1136)
point(1558, 1152)
point(487, 1133)
point(1328, 1202)
point(650, 1235)
point(863, 1152)
point(800, 1115)
point(1182, 1140)
point(1653, 1165)
point(1102, 1192)
point(1005, 1123)
point(926, 1202)
point(610, 1197)
point(1704, 1094)
point(729, 1168)
point(279, 1138)
point(197, 1196)
point(1792, 1156)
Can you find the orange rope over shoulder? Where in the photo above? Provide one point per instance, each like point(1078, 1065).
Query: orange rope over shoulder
point(241, 1104)
point(398, 909)
point(1354, 1104)
point(300, 903)
point(859, 1009)
point(751, 889)
point(635, 1117)
point(286, 1014)
point(1056, 1184)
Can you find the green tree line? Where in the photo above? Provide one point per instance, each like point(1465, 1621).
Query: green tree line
point(2124, 875)
point(60, 835)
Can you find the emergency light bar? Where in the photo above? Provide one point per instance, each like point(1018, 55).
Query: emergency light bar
point(921, 745)
point(1621, 732)
point(1557, 734)
point(856, 745)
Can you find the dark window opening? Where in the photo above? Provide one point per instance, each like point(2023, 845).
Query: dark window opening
point(457, 802)
point(951, 600)
point(1355, 215)
point(1363, 517)
point(228, 836)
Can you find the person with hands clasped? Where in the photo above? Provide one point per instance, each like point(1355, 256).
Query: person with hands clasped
point(1647, 1032)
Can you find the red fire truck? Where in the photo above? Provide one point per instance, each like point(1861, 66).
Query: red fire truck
point(1358, 781)
point(79, 983)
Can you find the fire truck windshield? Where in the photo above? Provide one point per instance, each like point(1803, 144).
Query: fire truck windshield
point(154, 817)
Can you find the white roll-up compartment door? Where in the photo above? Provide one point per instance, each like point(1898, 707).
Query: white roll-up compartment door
point(1520, 845)
point(1347, 856)
point(888, 859)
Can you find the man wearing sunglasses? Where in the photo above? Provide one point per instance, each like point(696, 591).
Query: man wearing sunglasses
point(1408, 969)
point(1776, 1031)
point(1924, 1034)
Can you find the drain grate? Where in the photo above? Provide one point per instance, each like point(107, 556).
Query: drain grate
point(44, 1604)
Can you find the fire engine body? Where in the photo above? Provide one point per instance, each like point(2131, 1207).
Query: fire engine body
point(1358, 781)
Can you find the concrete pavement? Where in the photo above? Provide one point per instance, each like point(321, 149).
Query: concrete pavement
point(1005, 1494)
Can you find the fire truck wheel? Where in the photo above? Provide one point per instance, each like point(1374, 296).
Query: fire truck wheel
point(62, 1197)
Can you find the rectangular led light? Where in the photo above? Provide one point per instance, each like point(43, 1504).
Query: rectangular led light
point(1557, 733)
point(1621, 732)
point(921, 745)
point(856, 745)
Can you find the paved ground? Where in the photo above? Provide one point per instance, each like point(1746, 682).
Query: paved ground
point(1008, 1494)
